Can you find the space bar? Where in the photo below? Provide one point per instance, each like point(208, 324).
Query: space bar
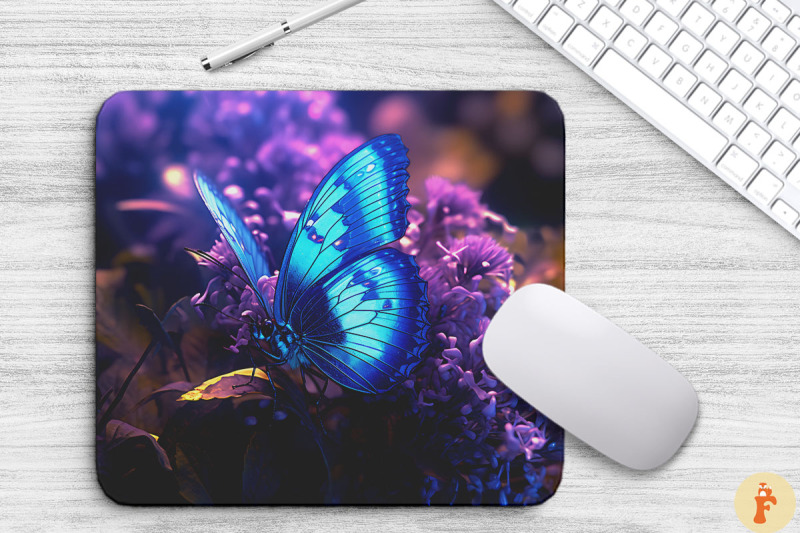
point(664, 110)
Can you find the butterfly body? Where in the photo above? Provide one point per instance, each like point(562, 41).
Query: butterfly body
point(287, 345)
point(344, 303)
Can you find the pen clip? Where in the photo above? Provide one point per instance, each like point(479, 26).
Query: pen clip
point(250, 54)
point(286, 30)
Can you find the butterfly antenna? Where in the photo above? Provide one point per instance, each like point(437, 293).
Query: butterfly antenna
point(213, 260)
point(221, 312)
point(216, 262)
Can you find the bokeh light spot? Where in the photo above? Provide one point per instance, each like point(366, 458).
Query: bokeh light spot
point(176, 178)
point(234, 192)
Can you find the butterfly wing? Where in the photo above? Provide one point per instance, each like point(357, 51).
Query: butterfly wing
point(365, 325)
point(359, 206)
point(239, 237)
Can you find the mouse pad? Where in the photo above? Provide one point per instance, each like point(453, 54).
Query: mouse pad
point(292, 290)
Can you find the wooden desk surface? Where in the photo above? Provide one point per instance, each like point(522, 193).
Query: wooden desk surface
point(654, 242)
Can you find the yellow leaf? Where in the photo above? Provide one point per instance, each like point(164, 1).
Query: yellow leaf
point(231, 385)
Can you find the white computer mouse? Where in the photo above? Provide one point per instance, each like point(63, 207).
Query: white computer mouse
point(590, 377)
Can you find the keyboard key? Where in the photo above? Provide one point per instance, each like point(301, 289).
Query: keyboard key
point(555, 23)
point(704, 100)
point(697, 18)
point(778, 43)
point(655, 61)
point(759, 105)
point(605, 22)
point(729, 119)
point(729, 9)
point(793, 63)
point(666, 111)
point(737, 165)
point(735, 86)
point(581, 8)
point(630, 42)
point(636, 10)
point(583, 45)
point(673, 7)
point(765, 187)
point(753, 138)
point(776, 10)
point(793, 178)
point(722, 38)
point(710, 66)
point(679, 80)
point(778, 157)
point(685, 47)
point(791, 96)
point(753, 24)
point(784, 125)
point(530, 9)
point(661, 28)
point(794, 26)
point(785, 212)
point(772, 77)
point(747, 57)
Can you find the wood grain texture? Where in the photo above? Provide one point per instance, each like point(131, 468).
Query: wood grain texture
point(654, 242)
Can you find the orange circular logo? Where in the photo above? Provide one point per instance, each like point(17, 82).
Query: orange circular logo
point(765, 502)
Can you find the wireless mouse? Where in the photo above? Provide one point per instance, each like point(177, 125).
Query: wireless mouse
point(590, 377)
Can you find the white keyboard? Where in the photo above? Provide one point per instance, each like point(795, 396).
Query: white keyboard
point(719, 77)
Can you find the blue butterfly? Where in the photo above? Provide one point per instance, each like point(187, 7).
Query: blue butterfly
point(345, 304)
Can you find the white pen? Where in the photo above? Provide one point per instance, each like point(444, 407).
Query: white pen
point(250, 45)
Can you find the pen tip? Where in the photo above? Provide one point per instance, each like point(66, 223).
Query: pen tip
point(205, 63)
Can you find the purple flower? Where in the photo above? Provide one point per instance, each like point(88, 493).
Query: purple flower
point(453, 205)
point(286, 141)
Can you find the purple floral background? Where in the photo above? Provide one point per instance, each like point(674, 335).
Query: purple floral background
point(487, 216)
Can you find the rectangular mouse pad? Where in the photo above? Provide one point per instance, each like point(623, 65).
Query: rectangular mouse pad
point(293, 287)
